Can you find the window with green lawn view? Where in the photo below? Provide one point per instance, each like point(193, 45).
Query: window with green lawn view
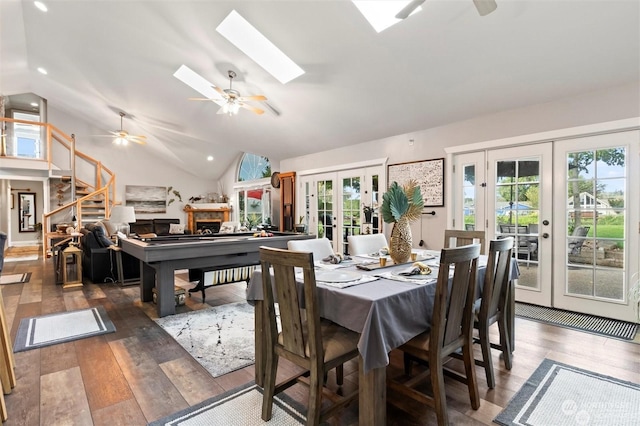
point(253, 191)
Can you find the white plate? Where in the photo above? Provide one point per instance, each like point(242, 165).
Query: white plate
point(337, 276)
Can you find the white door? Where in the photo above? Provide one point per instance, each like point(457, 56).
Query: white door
point(519, 204)
point(596, 225)
point(469, 202)
point(333, 203)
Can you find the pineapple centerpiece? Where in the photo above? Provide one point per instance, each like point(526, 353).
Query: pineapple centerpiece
point(401, 205)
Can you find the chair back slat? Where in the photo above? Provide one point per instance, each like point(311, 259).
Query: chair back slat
point(296, 334)
point(457, 238)
point(453, 305)
point(496, 280)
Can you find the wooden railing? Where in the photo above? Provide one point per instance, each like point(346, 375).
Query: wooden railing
point(52, 133)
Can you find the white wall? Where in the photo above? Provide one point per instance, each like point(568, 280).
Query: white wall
point(590, 108)
point(132, 165)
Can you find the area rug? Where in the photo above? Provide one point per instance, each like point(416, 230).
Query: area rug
point(21, 258)
point(220, 338)
point(15, 278)
point(239, 407)
point(559, 394)
point(578, 321)
point(46, 330)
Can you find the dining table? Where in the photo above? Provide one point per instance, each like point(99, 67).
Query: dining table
point(386, 305)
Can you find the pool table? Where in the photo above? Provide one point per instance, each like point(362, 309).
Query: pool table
point(160, 257)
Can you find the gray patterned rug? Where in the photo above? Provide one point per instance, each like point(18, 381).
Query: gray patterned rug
point(559, 394)
point(220, 338)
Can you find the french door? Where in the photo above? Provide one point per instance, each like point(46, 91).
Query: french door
point(571, 207)
point(596, 227)
point(333, 204)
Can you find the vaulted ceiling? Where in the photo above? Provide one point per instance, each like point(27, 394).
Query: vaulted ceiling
point(441, 65)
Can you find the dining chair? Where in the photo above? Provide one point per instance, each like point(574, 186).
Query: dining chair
point(457, 238)
point(315, 345)
point(320, 247)
point(366, 244)
point(492, 306)
point(451, 330)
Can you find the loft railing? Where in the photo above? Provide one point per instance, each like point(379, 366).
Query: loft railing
point(66, 142)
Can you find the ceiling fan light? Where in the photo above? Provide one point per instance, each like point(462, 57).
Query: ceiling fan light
point(485, 7)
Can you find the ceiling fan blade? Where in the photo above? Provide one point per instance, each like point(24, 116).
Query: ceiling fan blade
point(222, 92)
point(408, 9)
point(252, 108)
point(252, 98)
point(138, 140)
point(485, 7)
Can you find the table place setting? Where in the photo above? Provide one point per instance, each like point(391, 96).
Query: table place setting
point(340, 279)
point(416, 274)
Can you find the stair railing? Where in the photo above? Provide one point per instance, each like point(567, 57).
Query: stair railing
point(52, 133)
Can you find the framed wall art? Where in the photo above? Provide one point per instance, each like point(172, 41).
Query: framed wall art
point(146, 199)
point(428, 173)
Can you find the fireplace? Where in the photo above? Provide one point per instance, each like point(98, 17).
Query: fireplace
point(202, 217)
point(212, 225)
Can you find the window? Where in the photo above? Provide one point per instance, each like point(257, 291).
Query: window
point(253, 191)
point(27, 137)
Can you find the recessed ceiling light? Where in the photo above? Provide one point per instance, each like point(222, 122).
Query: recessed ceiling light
point(247, 38)
point(35, 104)
point(210, 158)
point(382, 14)
point(40, 5)
point(42, 71)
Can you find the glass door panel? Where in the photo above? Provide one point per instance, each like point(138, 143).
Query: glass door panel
point(598, 253)
point(351, 209)
point(520, 182)
point(469, 202)
point(325, 210)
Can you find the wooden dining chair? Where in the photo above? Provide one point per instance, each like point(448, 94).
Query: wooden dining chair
point(457, 238)
point(492, 306)
point(366, 243)
point(451, 330)
point(315, 345)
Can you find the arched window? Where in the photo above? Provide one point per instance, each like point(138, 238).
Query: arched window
point(253, 191)
point(253, 167)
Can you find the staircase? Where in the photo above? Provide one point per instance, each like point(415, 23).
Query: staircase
point(94, 195)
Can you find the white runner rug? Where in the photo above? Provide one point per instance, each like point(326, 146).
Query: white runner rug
point(46, 330)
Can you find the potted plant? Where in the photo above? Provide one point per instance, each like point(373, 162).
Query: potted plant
point(401, 205)
point(300, 226)
point(368, 212)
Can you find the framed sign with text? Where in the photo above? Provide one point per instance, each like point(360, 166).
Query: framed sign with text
point(428, 173)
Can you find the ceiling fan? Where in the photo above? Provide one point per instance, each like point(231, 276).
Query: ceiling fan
point(232, 101)
point(122, 137)
point(484, 7)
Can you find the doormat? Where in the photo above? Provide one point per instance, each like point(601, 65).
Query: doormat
point(561, 395)
point(220, 338)
point(46, 330)
point(238, 407)
point(593, 324)
point(15, 278)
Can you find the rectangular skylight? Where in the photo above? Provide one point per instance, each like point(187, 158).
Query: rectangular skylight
point(252, 43)
point(381, 14)
point(197, 83)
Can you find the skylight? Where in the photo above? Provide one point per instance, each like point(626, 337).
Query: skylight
point(382, 14)
point(252, 43)
point(197, 83)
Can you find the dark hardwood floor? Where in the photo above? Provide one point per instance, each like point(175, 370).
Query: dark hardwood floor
point(139, 374)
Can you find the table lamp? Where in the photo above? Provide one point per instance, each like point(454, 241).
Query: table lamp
point(121, 216)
